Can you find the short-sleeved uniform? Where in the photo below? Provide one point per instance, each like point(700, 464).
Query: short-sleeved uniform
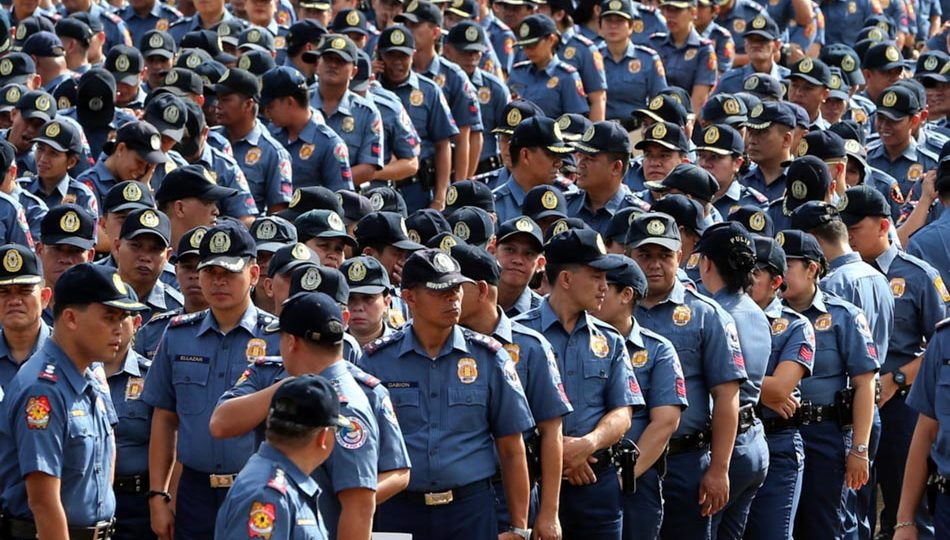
point(693, 64)
point(399, 137)
point(158, 18)
point(598, 379)
point(358, 122)
point(14, 227)
point(57, 421)
point(160, 299)
point(737, 195)
point(195, 364)
point(756, 180)
point(733, 80)
point(502, 39)
point(639, 74)
point(846, 18)
point(724, 43)
point(449, 407)
point(458, 91)
point(908, 168)
point(266, 165)
point(646, 22)
point(857, 282)
point(9, 366)
point(318, 156)
point(226, 173)
point(932, 244)
point(117, 33)
point(33, 208)
point(556, 89)
point(584, 54)
point(271, 498)
point(67, 190)
point(737, 18)
point(578, 206)
point(493, 95)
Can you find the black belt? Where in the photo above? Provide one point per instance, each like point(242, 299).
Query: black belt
point(488, 164)
point(11, 528)
point(811, 413)
point(604, 461)
point(690, 443)
point(131, 485)
point(746, 418)
point(940, 483)
point(441, 498)
point(774, 425)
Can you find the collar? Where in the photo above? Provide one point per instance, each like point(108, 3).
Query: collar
point(549, 318)
point(156, 297)
point(568, 34)
point(885, 259)
point(435, 67)
point(412, 80)
point(306, 484)
point(248, 321)
point(456, 341)
point(41, 338)
point(130, 365)
point(734, 192)
point(613, 203)
point(66, 369)
point(818, 302)
point(635, 336)
point(847, 258)
point(62, 187)
point(103, 172)
point(344, 107)
point(515, 190)
point(503, 328)
point(254, 135)
point(677, 294)
point(334, 371)
point(774, 309)
point(206, 157)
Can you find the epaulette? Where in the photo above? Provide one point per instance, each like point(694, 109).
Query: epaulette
point(278, 481)
point(174, 293)
point(942, 324)
point(523, 63)
point(929, 153)
point(758, 196)
point(489, 343)
point(164, 315)
point(364, 378)
point(186, 319)
point(658, 35)
point(644, 48)
point(381, 343)
point(567, 67)
point(180, 21)
point(265, 318)
point(487, 175)
point(268, 361)
point(144, 363)
point(113, 17)
point(705, 41)
point(584, 39)
point(48, 373)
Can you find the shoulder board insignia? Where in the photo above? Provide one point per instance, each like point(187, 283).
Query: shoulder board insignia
point(486, 176)
point(113, 17)
point(943, 324)
point(758, 196)
point(583, 39)
point(489, 343)
point(264, 317)
point(658, 35)
point(567, 67)
point(268, 361)
point(189, 318)
point(644, 48)
point(144, 363)
point(278, 482)
point(165, 315)
point(704, 41)
point(365, 379)
point(644, 7)
point(523, 63)
point(182, 20)
point(49, 373)
point(381, 343)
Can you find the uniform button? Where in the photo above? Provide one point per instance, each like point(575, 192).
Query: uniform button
point(432, 365)
point(434, 395)
point(570, 372)
point(187, 378)
point(468, 399)
point(433, 452)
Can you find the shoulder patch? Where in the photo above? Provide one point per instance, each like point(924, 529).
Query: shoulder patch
point(379, 344)
point(583, 39)
point(523, 63)
point(364, 378)
point(186, 319)
point(268, 361)
point(489, 343)
point(644, 48)
point(164, 315)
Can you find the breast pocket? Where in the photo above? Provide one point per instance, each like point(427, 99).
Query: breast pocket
point(595, 381)
point(686, 342)
point(408, 409)
point(80, 445)
point(468, 408)
point(191, 386)
point(942, 396)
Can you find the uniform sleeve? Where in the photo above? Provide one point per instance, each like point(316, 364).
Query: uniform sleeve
point(242, 203)
point(40, 427)
point(721, 353)
point(336, 173)
point(667, 385)
point(509, 411)
point(371, 142)
point(656, 77)
point(280, 185)
point(392, 447)
point(405, 143)
point(260, 516)
point(543, 386)
point(464, 105)
point(725, 53)
point(858, 345)
point(159, 391)
point(504, 44)
point(933, 308)
point(622, 388)
point(573, 94)
point(707, 66)
point(353, 462)
point(591, 69)
point(799, 345)
point(254, 379)
point(922, 397)
point(441, 122)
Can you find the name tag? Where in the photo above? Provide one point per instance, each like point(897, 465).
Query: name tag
point(77, 412)
point(392, 385)
point(192, 358)
point(306, 521)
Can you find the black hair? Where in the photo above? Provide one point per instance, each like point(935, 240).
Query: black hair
point(515, 152)
point(58, 309)
point(833, 231)
point(289, 434)
point(734, 267)
point(552, 271)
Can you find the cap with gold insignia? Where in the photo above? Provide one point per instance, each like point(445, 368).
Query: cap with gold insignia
point(545, 201)
point(228, 245)
point(272, 233)
point(665, 134)
point(182, 81)
point(798, 244)
point(664, 108)
point(812, 71)
point(620, 8)
point(563, 225)
point(763, 86)
point(147, 221)
point(396, 38)
point(189, 243)
point(308, 278)
point(863, 201)
point(303, 32)
point(256, 62)
point(539, 131)
point(579, 246)
point(826, 145)
point(467, 36)
point(16, 67)
point(60, 135)
point(365, 275)
point(420, 11)
point(238, 81)
point(338, 44)
point(37, 104)
point(516, 111)
point(477, 264)
point(883, 56)
point(387, 199)
point(158, 43)
point(350, 21)
point(289, 257)
point(125, 64)
point(688, 213)
point(256, 38)
point(653, 228)
point(604, 137)
point(521, 226)
point(844, 57)
point(534, 28)
point(88, 283)
point(811, 214)
point(897, 102)
point(767, 113)
point(143, 138)
point(384, 228)
point(355, 206)
point(208, 41)
point(466, 9)
point(20, 266)
point(754, 219)
point(310, 400)
point(839, 87)
point(316, 317)
point(426, 223)
point(191, 181)
point(280, 82)
point(688, 179)
point(769, 255)
point(933, 66)
point(167, 112)
point(44, 44)
point(627, 274)
point(71, 27)
point(311, 198)
point(432, 269)
point(469, 193)
point(807, 178)
point(721, 139)
point(725, 109)
point(322, 224)
point(764, 26)
point(10, 95)
point(573, 126)
point(473, 225)
point(726, 241)
point(616, 231)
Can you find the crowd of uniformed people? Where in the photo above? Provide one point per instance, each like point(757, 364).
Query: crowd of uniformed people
point(474, 269)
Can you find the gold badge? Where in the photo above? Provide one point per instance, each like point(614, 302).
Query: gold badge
point(690, 54)
point(711, 135)
point(890, 99)
point(311, 279)
point(731, 106)
point(149, 219)
point(376, 201)
point(6, 66)
point(122, 63)
point(780, 238)
point(892, 54)
point(559, 227)
point(348, 124)
point(416, 97)
point(462, 230)
point(599, 346)
point(514, 117)
point(471, 34)
point(306, 151)
point(738, 25)
point(53, 130)
point(942, 289)
point(220, 242)
point(802, 148)
point(253, 156)
point(823, 322)
point(13, 95)
point(267, 230)
point(852, 8)
point(569, 53)
point(397, 38)
point(681, 315)
point(447, 243)
point(12, 261)
point(779, 326)
point(524, 225)
point(256, 347)
point(757, 222)
point(898, 285)
point(751, 83)
point(514, 351)
point(525, 30)
point(659, 131)
point(656, 227)
point(69, 222)
point(549, 200)
point(300, 252)
point(484, 95)
point(357, 271)
point(915, 172)
point(335, 222)
point(806, 65)
point(395, 319)
point(693, 261)
point(799, 190)
point(133, 388)
point(638, 26)
point(552, 82)
point(197, 237)
point(467, 370)
point(639, 359)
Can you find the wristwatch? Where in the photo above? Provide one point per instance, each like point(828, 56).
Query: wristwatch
point(524, 533)
point(861, 448)
point(900, 378)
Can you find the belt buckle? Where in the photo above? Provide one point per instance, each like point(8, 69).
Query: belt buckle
point(438, 499)
point(221, 480)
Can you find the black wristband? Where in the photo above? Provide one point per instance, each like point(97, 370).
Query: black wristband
point(163, 494)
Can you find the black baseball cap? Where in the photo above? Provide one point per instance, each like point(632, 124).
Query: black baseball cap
point(347, 21)
point(167, 112)
point(272, 233)
point(433, 269)
point(754, 219)
point(70, 225)
point(10, 95)
point(721, 139)
point(144, 139)
point(230, 30)
point(763, 86)
point(125, 64)
point(308, 278)
point(477, 264)
point(281, 82)
point(182, 81)
point(627, 274)
point(539, 132)
point(799, 244)
point(238, 81)
point(339, 44)
point(61, 136)
point(387, 228)
point(473, 225)
point(387, 199)
point(534, 28)
point(466, 9)
point(37, 104)
point(74, 28)
point(544, 201)
point(933, 66)
point(516, 111)
point(20, 266)
point(863, 201)
point(616, 230)
point(426, 223)
point(308, 400)
point(667, 135)
point(189, 243)
point(210, 42)
point(421, 11)
point(191, 181)
point(689, 179)
point(16, 67)
point(147, 221)
point(687, 212)
point(622, 8)
point(812, 214)
point(573, 126)
point(311, 198)
point(256, 62)
point(467, 36)
point(256, 38)
point(360, 82)
point(838, 86)
point(7, 154)
point(844, 57)
point(725, 240)
point(769, 255)
point(127, 196)
point(43, 44)
point(88, 283)
point(883, 56)
point(158, 43)
point(897, 102)
point(564, 225)
point(322, 224)
point(444, 241)
point(303, 32)
point(762, 25)
point(520, 226)
point(365, 275)
point(228, 245)
point(653, 228)
point(604, 137)
point(725, 109)
point(289, 257)
point(664, 108)
point(811, 70)
point(824, 144)
point(806, 179)
point(396, 38)
point(355, 206)
point(579, 246)
point(469, 193)
point(767, 113)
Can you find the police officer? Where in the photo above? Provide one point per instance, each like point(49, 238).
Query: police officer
point(189, 198)
point(635, 68)
point(201, 355)
point(516, 111)
point(430, 114)
point(274, 496)
point(351, 116)
point(722, 154)
point(58, 149)
point(809, 183)
point(836, 414)
point(664, 146)
point(809, 87)
point(141, 253)
point(858, 170)
point(318, 155)
point(660, 376)
point(690, 60)
point(544, 78)
point(773, 510)
point(769, 145)
point(536, 149)
point(519, 249)
point(312, 333)
point(144, 18)
point(56, 396)
point(929, 243)
point(23, 297)
point(603, 157)
point(726, 262)
point(449, 491)
point(713, 30)
point(266, 164)
point(271, 233)
point(701, 331)
point(207, 15)
point(282, 264)
point(576, 269)
point(536, 364)
point(369, 299)
point(383, 236)
point(19, 223)
point(132, 156)
point(920, 302)
point(846, 18)
point(67, 241)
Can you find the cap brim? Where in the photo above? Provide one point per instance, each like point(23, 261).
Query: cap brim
point(125, 304)
point(623, 14)
point(540, 241)
point(656, 186)
point(342, 54)
point(669, 243)
point(75, 241)
point(642, 144)
point(404, 50)
point(548, 213)
point(850, 219)
point(648, 113)
point(33, 113)
point(231, 264)
point(886, 67)
point(126, 206)
point(468, 46)
point(164, 53)
point(226, 58)
point(560, 149)
point(58, 147)
point(269, 247)
point(130, 79)
point(252, 47)
point(714, 150)
point(444, 282)
point(584, 149)
point(369, 289)
point(152, 232)
point(839, 94)
point(216, 193)
point(761, 125)
point(605, 263)
point(359, 87)
point(288, 213)
point(460, 13)
point(349, 240)
point(893, 114)
point(22, 280)
point(408, 245)
point(529, 41)
point(406, 17)
point(176, 134)
point(807, 78)
point(502, 131)
point(761, 33)
point(152, 156)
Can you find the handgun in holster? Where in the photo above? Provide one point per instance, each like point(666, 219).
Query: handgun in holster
point(844, 407)
point(625, 454)
point(532, 446)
